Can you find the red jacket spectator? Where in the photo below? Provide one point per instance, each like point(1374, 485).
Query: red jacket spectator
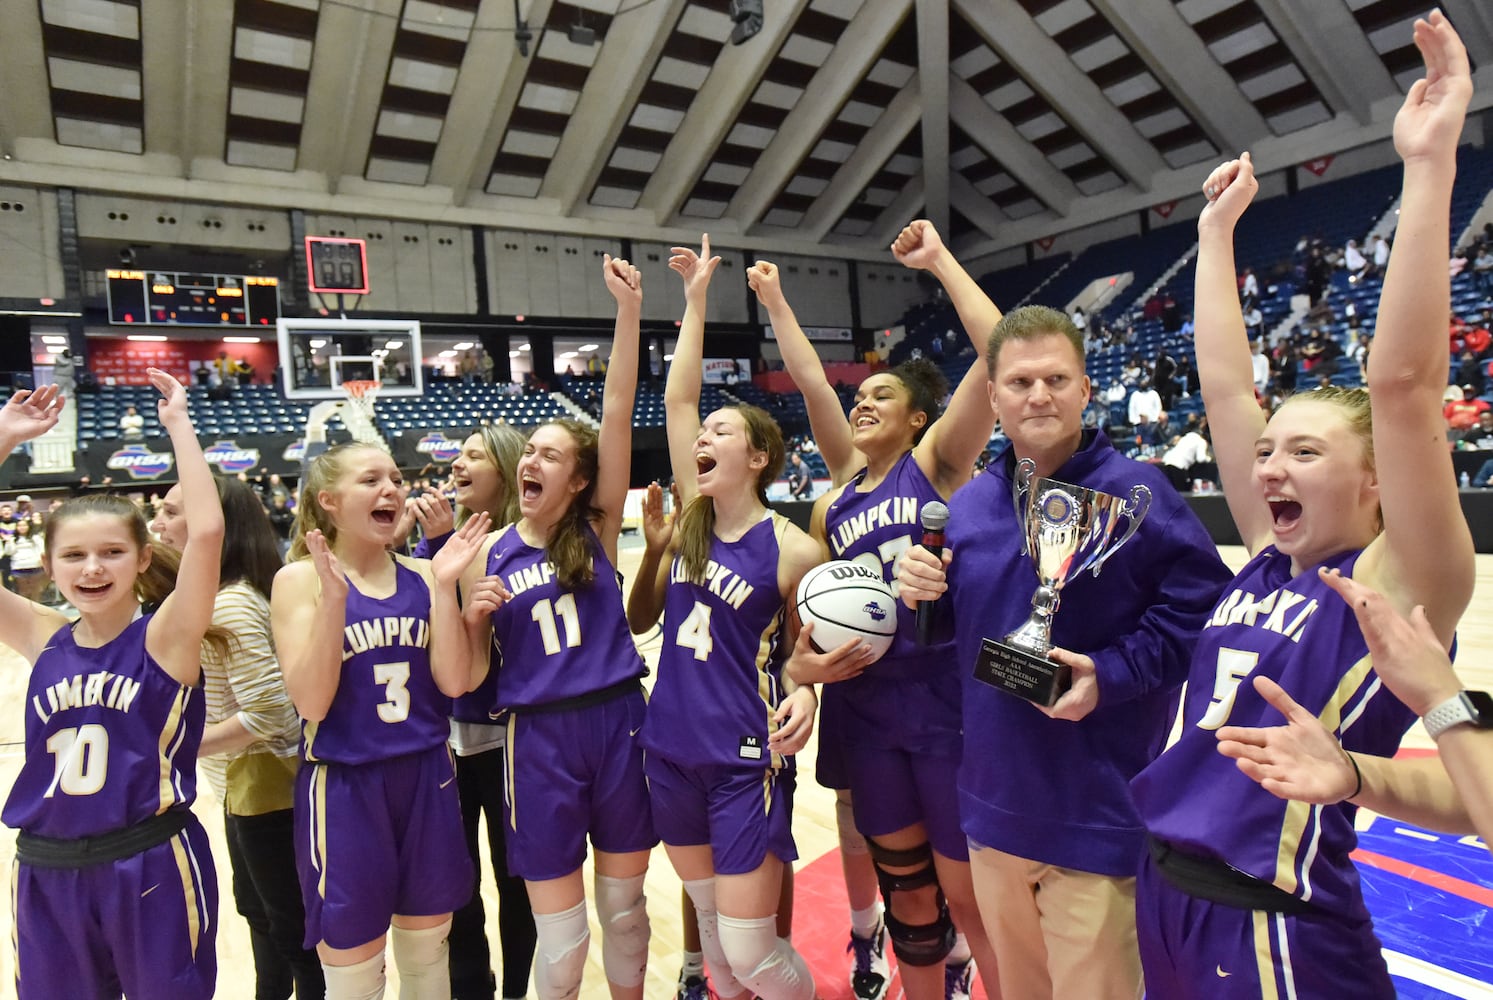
point(1461, 414)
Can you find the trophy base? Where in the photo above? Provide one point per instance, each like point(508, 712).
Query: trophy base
point(1015, 671)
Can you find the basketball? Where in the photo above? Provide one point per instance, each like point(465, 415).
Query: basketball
point(845, 601)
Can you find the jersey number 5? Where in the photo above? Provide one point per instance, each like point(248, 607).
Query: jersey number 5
point(1233, 666)
point(82, 761)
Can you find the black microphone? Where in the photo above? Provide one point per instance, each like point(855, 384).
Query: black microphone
point(935, 517)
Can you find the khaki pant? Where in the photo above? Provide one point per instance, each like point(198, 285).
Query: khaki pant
point(1058, 934)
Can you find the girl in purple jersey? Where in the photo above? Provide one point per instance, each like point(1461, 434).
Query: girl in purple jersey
point(1244, 894)
point(719, 724)
point(371, 645)
point(571, 692)
point(887, 728)
point(114, 716)
point(249, 745)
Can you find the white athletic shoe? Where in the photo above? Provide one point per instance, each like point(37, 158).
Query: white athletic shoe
point(958, 979)
point(870, 976)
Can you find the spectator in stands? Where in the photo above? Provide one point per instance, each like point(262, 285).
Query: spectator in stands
point(1479, 437)
point(26, 549)
point(1249, 286)
point(1116, 393)
point(1261, 366)
point(1283, 363)
point(1163, 377)
point(1254, 321)
point(131, 425)
point(1187, 375)
point(282, 517)
point(1156, 434)
point(64, 372)
point(1354, 261)
point(595, 366)
point(1134, 371)
point(1470, 371)
point(1381, 254)
point(1080, 320)
point(1482, 271)
point(800, 481)
point(1462, 413)
point(1476, 338)
point(1145, 405)
point(1318, 275)
point(1185, 453)
point(1171, 315)
point(226, 369)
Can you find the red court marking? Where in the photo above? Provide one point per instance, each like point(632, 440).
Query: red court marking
point(821, 930)
point(1427, 876)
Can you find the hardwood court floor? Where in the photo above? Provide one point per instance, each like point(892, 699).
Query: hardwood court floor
point(813, 826)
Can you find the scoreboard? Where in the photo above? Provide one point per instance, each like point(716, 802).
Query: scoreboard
point(172, 298)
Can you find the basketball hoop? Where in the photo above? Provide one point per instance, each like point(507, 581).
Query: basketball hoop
point(358, 408)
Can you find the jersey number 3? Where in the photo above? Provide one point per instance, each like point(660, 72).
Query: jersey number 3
point(82, 760)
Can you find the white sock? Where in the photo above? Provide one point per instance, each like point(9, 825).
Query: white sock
point(693, 964)
point(863, 922)
point(420, 957)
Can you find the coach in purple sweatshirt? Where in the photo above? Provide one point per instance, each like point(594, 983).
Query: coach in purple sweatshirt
point(1043, 791)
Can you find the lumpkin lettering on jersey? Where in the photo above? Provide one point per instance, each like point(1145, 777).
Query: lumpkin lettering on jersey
point(892, 511)
point(719, 580)
point(103, 687)
point(1281, 612)
point(375, 632)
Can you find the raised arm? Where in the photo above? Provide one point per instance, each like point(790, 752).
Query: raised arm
point(645, 602)
point(1225, 371)
point(25, 626)
point(682, 388)
point(481, 595)
point(308, 611)
point(450, 652)
point(947, 452)
point(826, 417)
point(1425, 553)
point(614, 472)
point(175, 634)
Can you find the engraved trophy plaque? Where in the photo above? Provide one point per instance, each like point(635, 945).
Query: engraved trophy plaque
point(1067, 529)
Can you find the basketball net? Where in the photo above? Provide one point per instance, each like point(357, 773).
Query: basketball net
point(357, 410)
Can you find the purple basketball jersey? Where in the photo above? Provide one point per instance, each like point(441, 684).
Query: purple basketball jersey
point(719, 672)
point(387, 703)
point(553, 644)
point(1299, 633)
point(111, 738)
point(874, 529)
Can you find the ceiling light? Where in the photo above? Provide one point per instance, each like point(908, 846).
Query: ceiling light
point(465, 345)
point(448, 354)
point(144, 336)
point(523, 347)
point(394, 345)
point(571, 354)
point(589, 347)
point(240, 340)
point(52, 338)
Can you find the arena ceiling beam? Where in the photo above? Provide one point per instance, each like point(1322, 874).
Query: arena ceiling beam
point(1050, 71)
point(933, 75)
point(1008, 147)
point(900, 118)
point(907, 206)
point(1333, 50)
point(487, 90)
point(633, 44)
point(353, 49)
point(1180, 61)
point(205, 85)
point(846, 66)
point(981, 212)
point(165, 76)
point(713, 113)
point(27, 107)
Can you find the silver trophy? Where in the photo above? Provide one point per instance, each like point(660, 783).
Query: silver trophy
point(1068, 529)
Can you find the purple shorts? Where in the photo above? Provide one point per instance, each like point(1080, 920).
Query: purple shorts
point(572, 773)
point(1193, 948)
point(145, 926)
point(829, 763)
point(891, 790)
point(741, 813)
point(373, 840)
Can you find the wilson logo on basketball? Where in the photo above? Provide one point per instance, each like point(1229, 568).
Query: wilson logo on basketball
point(851, 571)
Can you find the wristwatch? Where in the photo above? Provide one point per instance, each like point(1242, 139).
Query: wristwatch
point(1474, 707)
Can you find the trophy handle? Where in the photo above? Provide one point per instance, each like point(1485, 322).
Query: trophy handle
point(1021, 487)
point(1134, 510)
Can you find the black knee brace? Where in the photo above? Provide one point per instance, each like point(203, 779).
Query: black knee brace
point(914, 944)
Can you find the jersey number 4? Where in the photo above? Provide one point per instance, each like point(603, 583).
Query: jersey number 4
point(694, 632)
point(82, 760)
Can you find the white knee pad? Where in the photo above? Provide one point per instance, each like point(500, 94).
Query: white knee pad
point(622, 911)
point(766, 964)
point(702, 894)
point(851, 842)
point(364, 981)
point(560, 956)
point(420, 957)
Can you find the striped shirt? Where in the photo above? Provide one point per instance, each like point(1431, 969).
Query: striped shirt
point(249, 684)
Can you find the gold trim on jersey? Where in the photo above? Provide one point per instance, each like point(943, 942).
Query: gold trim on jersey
point(1298, 815)
point(172, 732)
point(1264, 955)
point(508, 771)
point(186, 866)
point(310, 740)
point(776, 629)
point(15, 918)
point(767, 780)
point(317, 791)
